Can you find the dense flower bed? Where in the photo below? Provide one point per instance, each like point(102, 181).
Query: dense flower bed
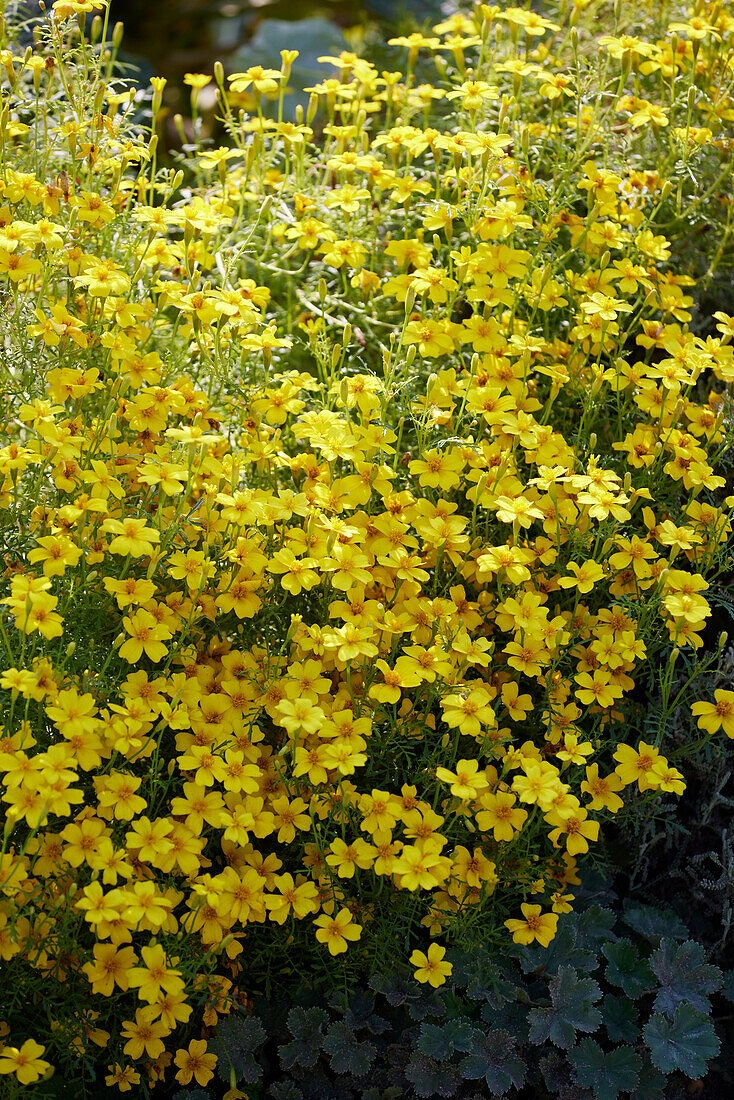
point(363, 481)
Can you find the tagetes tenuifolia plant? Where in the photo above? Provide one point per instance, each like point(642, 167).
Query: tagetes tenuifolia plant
point(360, 486)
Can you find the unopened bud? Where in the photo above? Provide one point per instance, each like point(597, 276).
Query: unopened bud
point(70, 648)
point(219, 73)
point(117, 33)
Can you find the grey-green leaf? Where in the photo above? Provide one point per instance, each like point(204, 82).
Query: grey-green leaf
point(684, 976)
point(686, 1043)
point(626, 969)
point(608, 1073)
point(571, 1009)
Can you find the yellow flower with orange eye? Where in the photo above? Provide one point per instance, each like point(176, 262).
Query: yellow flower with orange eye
point(535, 926)
point(131, 536)
point(57, 552)
point(420, 866)
point(584, 576)
point(433, 338)
point(147, 637)
point(575, 827)
point(144, 1034)
point(597, 689)
point(473, 868)
point(431, 967)
point(299, 897)
point(337, 931)
point(340, 252)
point(346, 858)
point(640, 765)
point(18, 265)
point(37, 613)
point(539, 784)
point(718, 715)
point(25, 1062)
point(500, 815)
point(574, 752)
point(154, 976)
point(438, 468)
point(467, 782)
point(103, 278)
point(263, 81)
point(297, 574)
point(195, 1063)
point(602, 789)
point(468, 711)
point(192, 566)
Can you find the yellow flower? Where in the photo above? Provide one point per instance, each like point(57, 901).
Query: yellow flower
point(337, 930)
point(132, 536)
point(638, 765)
point(26, 1063)
point(431, 967)
point(467, 782)
point(154, 975)
point(717, 715)
point(144, 1034)
point(534, 926)
point(195, 1063)
point(583, 577)
point(500, 815)
point(147, 636)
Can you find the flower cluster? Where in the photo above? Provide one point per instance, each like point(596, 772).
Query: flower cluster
point(354, 497)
